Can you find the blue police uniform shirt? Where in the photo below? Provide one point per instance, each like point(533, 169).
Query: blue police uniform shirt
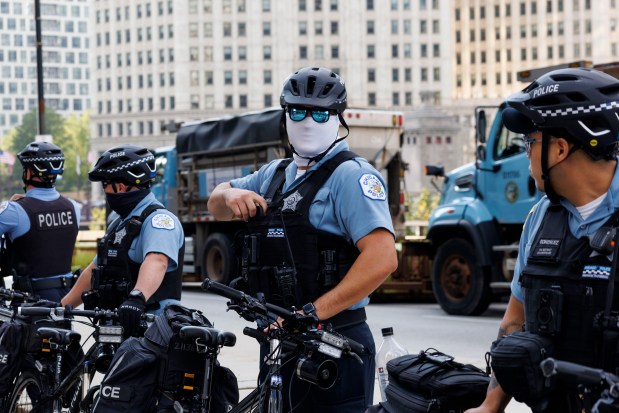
point(161, 232)
point(578, 226)
point(352, 203)
point(14, 221)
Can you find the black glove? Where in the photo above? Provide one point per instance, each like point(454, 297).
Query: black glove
point(130, 314)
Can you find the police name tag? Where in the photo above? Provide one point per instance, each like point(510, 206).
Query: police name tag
point(372, 187)
point(163, 221)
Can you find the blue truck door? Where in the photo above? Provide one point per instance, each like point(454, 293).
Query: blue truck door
point(505, 181)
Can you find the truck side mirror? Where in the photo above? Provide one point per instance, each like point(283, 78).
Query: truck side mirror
point(481, 126)
point(433, 170)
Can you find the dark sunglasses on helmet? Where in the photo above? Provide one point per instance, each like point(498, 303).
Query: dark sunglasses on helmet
point(298, 114)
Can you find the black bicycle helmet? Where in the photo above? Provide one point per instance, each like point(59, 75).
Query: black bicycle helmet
point(582, 103)
point(314, 86)
point(128, 164)
point(44, 160)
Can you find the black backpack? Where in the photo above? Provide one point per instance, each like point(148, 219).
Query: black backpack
point(159, 361)
point(11, 351)
point(431, 381)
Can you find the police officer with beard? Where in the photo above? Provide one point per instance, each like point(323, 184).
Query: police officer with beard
point(139, 261)
point(41, 227)
point(570, 122)
point(325, 240)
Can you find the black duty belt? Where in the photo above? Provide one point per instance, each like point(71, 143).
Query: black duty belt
point(58, 282)
point(347, 318)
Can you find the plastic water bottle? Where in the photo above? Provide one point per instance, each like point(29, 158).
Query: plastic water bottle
point(389, 349)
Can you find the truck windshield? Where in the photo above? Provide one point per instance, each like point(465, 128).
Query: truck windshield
point(508, 144)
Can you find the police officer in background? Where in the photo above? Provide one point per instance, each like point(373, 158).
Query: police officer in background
point(570, 119)
point(139, 261)
point(40, 227)
point(325, 239)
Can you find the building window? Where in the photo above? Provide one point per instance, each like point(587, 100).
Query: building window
point(335, 52)
point(266, 28)
point(302, 52)
point(228, 77)
point(228, 101)
point(242, 101)
point(371, 75)
point(268, 77)
point(371, 51)
point(334, 27)
point(395, 75)
point(194, 101)
point(268, 101)
point(372, 99)
point(370, 27)
point(228, 53)
point(266, 52)
point(242, 77)
point(208, 77)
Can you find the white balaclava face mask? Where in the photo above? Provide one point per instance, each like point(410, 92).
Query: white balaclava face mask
point(311, 138)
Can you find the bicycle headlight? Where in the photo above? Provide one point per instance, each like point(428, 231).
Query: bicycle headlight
point(321, 374)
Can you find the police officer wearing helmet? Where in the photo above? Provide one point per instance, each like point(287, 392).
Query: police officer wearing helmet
point(40, 227)
point(325, 240)
point(570, 122)
point(139, 260)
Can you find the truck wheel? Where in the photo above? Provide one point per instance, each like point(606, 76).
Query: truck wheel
point(460, 285)
point(218, 261)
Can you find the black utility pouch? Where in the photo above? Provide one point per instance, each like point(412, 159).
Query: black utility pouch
point(515, 361)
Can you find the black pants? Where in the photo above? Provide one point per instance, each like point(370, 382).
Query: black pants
point(353, 390)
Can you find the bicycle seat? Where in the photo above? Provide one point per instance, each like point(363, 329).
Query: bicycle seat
point(58, 335)
point(211, 336)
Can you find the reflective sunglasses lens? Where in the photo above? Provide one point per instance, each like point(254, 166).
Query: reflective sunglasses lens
point(297, 114)
point(320, 116)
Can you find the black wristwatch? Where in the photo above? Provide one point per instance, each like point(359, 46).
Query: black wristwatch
point(309, 309)
point(137, 294)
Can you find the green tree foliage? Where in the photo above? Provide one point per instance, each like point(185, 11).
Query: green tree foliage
point(72, 135)
point(423, 205)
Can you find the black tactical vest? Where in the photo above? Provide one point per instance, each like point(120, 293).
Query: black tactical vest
point(565, 283)
point(47, 248)
point(284, 256)
point(116, 274)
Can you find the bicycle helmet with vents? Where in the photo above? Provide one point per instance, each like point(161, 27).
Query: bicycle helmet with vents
point(128, 164)
point(581, 103)
point(315, 87)
point(44, 160)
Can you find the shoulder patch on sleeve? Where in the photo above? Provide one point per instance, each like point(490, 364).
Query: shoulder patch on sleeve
point(372, 187)
point(4, 206)
point(162, 221)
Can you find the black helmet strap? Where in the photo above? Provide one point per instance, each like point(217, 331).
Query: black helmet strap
point(548, 188)
point(44, 182)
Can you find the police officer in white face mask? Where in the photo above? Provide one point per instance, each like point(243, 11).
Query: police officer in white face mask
point(338, 242)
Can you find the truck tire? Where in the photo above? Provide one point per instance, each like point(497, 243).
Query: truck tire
point(460, 285)
point(218, 260)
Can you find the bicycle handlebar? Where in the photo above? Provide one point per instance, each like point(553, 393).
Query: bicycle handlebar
point(240, 297)
point(262, 308)
point(578, 373)
point(67, 312)
point(12, 294)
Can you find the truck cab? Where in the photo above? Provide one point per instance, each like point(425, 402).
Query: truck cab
point(475, 230)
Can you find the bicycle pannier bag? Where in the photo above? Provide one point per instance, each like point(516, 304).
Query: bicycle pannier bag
point(431, 381)
point(11, 334)
point(130, 383)
point(515, 361)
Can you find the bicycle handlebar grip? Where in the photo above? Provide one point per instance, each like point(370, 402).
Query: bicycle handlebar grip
point(223, 290)
point(576, 372)
point(36, 311)
point(257, 334)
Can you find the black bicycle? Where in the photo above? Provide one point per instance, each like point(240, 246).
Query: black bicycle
point(598, 380)
point(41, 384)
point(315, 346)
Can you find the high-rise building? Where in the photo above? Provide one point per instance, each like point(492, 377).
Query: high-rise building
point(163, 61)
point(66, 66)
